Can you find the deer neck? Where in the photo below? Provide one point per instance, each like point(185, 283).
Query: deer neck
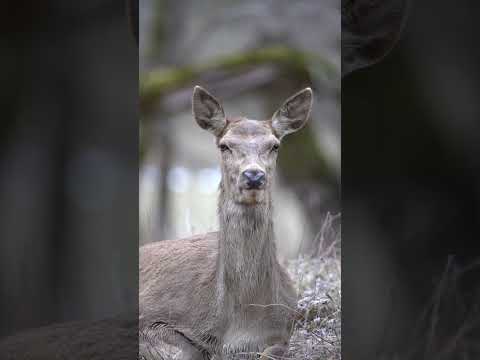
point(247, 263)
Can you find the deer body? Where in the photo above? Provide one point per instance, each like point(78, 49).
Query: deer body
point(225, 293)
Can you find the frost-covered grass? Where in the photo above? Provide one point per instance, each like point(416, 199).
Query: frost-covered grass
point(317, 333)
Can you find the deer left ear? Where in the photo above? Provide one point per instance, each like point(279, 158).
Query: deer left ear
point(207, 111)
point(293, 114)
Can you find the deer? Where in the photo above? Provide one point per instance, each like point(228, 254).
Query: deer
point(224, 294)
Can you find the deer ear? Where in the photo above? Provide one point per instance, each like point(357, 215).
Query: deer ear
point(293, 114)
point(207, 111)
point(370, 29)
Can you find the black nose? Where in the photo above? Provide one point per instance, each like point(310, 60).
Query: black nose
point(255, 178)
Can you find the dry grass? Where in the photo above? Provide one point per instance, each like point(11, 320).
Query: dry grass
point(317, 333)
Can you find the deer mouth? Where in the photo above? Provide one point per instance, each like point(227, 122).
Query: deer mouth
point(252, 196)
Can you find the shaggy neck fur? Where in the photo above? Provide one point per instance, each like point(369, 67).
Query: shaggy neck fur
point(247, 261)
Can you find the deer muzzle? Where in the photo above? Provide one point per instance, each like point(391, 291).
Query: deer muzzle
point(254, 179)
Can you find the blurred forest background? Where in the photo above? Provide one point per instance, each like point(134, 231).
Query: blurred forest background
point(68, 163)
point(251, 55)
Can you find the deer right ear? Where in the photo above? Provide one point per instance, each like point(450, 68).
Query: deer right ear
point(207, 111)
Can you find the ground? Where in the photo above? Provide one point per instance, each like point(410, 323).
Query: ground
point(317, 333)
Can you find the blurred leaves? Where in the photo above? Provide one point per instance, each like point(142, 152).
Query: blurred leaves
point(157, 83)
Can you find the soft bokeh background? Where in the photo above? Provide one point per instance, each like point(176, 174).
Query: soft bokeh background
point(251, 55)
point(68, 163)
point(410, 189)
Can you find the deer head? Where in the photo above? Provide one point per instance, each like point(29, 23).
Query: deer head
point(249, 148)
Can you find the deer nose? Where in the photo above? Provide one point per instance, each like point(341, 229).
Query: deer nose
point(255, 178)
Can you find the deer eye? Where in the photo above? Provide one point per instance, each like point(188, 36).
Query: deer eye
point(275, 147)
point(224, 148)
